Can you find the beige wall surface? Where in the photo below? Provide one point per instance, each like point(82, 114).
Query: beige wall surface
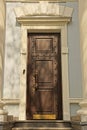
point(2, 39)
point(83, 44)
point(83, 41)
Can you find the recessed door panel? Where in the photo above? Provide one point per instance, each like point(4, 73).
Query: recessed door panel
point(40, 46)
point(44, 70)
point(42, 99)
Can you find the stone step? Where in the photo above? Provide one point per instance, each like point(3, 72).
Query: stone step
point(42, 125)
point(45, 128)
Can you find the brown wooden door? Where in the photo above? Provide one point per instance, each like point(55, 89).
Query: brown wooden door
point(44, 89)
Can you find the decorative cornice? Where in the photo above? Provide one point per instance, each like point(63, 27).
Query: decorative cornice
point(75, 100)
point(43, 20)
point(43, 13)
point(17, 101)
point(44, 9)
point(11, 101)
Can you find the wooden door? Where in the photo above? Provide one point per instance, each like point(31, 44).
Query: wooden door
point(44, 89)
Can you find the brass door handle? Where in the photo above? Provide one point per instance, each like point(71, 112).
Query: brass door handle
point(35, 82)
point(36, 76)
point(34, 88)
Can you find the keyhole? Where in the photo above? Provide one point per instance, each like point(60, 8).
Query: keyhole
point(23, 71)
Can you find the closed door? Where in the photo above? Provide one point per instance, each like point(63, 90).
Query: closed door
point(44, 89)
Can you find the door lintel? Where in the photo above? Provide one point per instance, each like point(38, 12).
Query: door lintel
point(43, 20)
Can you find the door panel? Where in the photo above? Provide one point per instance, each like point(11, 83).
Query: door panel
point(44, 68)
point(42, 99)
point(40, 46)
point(44, 89)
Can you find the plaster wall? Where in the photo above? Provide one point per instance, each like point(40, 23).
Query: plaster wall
point(12, 59)
point(12, 54)
point(75, 78)
point(75, 73)
point(83, 42)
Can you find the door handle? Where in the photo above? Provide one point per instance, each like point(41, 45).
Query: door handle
point(34, 88)
point(36, 76)
point(35, 82)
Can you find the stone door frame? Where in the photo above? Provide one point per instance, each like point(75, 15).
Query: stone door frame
point(64, 58)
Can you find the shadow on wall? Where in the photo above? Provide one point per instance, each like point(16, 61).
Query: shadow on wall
point(83, 36)
point(2, 38)
point(1, 53)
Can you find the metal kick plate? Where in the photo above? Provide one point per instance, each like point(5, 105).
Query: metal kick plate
point(38, 116)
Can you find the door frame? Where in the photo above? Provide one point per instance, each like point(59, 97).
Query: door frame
point(64, 66)
point(40, 21)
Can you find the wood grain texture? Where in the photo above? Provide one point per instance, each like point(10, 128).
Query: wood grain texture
point(44, 88)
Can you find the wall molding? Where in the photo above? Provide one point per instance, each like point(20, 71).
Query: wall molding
point(41, 0)
point(75, 100)
point(17, 101)
point(11, 101)
point(27, 13)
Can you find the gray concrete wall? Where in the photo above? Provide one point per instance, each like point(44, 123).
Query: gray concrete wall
point(75, 74)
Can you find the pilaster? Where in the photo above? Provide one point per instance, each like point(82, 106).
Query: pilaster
point(2, 40)
point(83, 42)
point(3, 113)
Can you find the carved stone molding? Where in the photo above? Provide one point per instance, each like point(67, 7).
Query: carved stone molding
point(43, 8)
point(48, 21)
point(75, 100)
point(11, 101)
point(3, 112)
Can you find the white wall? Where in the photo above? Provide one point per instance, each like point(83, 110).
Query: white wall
point(12, 58)
point(12, 54)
